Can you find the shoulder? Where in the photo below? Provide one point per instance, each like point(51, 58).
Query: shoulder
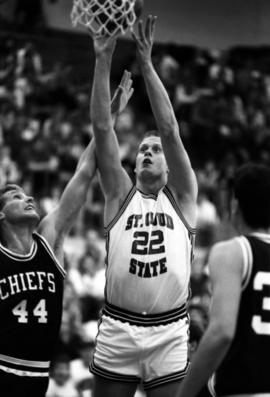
point(114, 206)
point(226, 257)
point(186, 204)
point(229, 249)
point(185, 184)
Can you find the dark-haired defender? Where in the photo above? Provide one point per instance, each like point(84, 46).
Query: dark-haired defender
point(31, 280)
point(236, 344)
point(150, 232)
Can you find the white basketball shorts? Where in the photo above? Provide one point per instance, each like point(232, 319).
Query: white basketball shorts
point(153, 354)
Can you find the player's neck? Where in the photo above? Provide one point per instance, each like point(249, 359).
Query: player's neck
point(150, 184)
point(18, 239)
point(150, 187)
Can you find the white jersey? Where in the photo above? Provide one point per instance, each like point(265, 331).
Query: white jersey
point(149, 250)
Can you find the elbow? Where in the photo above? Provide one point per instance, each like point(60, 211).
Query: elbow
point(102, 128)
point(224, 333)
point(85, 173)
point(170, 130)
point(226, 338)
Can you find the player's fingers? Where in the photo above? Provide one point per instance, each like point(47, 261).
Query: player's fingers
point(148, 27)
point(121, 84)
point(135, 37)
point(130, 93)
point(125, 78)
point(141, 32)
point(129, 84)
point(128, 74)
point(153, 26)
point(120, 89)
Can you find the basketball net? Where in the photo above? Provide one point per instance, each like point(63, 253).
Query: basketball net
point(104, 17)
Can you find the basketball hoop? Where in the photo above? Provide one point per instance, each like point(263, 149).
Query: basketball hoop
point(105, 17)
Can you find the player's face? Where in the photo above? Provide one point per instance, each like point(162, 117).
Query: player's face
point(19, 207)
point(150, 157)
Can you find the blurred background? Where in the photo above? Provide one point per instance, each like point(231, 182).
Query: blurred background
point(208, 23)
point(214, 59)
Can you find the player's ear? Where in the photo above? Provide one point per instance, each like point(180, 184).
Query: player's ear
point(2, 216)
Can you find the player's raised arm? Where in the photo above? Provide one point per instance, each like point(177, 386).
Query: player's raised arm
point(115, 182)
point(55, 226)
point(181, 174)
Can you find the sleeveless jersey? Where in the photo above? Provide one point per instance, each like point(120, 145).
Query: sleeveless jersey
point(31, 292)
point(245, 368)
point(149, 249)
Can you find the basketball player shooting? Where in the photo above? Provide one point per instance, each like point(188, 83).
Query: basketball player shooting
point(150, 228)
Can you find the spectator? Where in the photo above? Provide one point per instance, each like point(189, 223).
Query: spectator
point(71, 326)
point(80, 374)
point(208, 220)
point(196, 333)
point(61, 383)
point(89, 283)
point(9, 172)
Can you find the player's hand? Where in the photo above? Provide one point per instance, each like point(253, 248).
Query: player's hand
point(144, 39)
point(122, 94)
point(105, 45)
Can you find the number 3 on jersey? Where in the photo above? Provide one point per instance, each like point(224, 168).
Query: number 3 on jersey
point(259, 326)
point(39, 311)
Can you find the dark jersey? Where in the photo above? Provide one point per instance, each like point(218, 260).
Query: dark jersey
point(245, 368)
point(31, 292)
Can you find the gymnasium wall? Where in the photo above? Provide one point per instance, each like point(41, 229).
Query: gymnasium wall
point(208, 23)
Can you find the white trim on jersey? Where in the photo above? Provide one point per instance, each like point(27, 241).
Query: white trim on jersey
point(262, 236)
point(20, 257)
point(211, 385)
point(19, 361)
point(24, 373)
point(167, 191)
point(247, 259)
point(48, 248)
point(249, 395)
point(121, 210)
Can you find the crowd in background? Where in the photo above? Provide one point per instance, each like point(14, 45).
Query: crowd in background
point(223, 109)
